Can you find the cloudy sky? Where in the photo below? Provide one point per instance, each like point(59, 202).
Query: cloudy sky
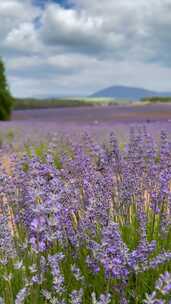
point(75, 47)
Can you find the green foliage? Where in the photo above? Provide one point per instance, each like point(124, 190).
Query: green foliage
point(10, 136)
point(157, 99)
point(6, 100)
point(32, 103)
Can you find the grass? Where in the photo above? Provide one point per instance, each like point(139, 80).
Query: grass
point(31, 103)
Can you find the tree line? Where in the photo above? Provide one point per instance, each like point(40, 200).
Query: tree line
point(6, 99)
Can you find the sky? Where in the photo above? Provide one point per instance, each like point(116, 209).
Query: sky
point(76, 47)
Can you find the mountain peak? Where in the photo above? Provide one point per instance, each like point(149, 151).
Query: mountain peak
point(126, 92)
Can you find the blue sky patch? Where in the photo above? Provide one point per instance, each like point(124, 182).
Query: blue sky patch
point(42, 3)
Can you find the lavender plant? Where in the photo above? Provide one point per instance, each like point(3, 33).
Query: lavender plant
point(94, 229)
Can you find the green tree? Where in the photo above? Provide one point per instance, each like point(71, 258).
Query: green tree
point(6, 100)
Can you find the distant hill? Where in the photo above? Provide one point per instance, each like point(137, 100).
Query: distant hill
point(128, 93)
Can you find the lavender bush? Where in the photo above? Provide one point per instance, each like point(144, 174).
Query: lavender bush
point(91, 224)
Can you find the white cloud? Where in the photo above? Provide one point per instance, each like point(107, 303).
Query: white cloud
point(14, 12)
point(91, 45)
point(17, 9)
point(24, 38)
point(77, 31)
point(24, 63)
point(17, 32)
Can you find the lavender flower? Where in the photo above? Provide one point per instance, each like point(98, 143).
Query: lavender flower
point(164, 283)
point(76, 296)
point(151, 299)
point(76, 272)
point(103, 299)
point(21, 296)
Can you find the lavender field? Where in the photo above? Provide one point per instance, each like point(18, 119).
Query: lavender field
point(37, 125)
point(139, 112)
point(85, 206)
